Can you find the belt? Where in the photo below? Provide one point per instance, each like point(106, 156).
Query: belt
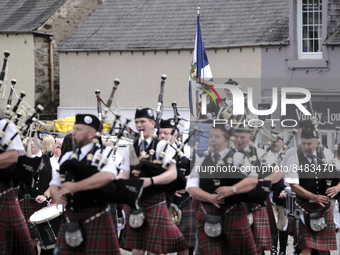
point(6, 185)
point(185, 203)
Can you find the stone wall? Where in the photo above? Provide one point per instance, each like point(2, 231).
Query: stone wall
point(333, 16)
point(61, 25)
point(42, 73)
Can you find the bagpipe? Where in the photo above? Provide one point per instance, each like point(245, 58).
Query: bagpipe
point(147, 165)
point(118, 191)
point(26, 167)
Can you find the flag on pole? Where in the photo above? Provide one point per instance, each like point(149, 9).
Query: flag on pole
point(200, 72)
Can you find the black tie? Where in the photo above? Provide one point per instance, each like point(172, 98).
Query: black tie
point(145, 146)
point(78, 153)
point(216, 157)
point(312, 157)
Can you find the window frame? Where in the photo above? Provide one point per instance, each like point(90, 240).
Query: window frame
point(307, 55)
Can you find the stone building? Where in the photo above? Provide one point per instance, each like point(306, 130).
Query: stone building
point(32, 30)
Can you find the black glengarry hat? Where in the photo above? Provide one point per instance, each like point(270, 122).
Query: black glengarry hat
point(145, 113)
point(88, 119)
point(309, 133)
point(224, 127)
point(169, 123)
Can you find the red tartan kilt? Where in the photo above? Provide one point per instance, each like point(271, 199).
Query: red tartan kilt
point(209, 245)
point(291, 227)
point(271, 218)
point(323, 240)
point(28, 208)
point(237, 232)
point(14, 234)
point(196, 204)
point(188, 224)
point(261, 229)
point(158, 234)
point(100, 234)
point(236, 238)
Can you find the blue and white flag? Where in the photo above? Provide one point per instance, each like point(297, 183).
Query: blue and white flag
point(200, 71)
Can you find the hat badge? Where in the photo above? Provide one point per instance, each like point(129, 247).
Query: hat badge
point(172, 122)
point(88, 120)
point(150, 112)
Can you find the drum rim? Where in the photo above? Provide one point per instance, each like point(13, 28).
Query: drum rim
point(44, 220)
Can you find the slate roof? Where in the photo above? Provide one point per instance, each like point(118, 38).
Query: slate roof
point(26, 15)
point(164, 24)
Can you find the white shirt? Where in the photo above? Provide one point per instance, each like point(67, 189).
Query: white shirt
point(193, 180)
point(169, 153)
point(11, 130)
point(271, 157)
point(292, 177)
point(228, 101)
point(109, 167)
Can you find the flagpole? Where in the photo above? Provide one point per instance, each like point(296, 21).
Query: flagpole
point(197, 92)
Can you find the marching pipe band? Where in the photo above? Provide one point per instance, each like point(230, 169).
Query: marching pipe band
point(96, 160)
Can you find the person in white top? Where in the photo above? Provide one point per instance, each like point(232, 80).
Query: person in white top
point(12, 221)
point(310, 178)
point(157, 218)
point(78, 195)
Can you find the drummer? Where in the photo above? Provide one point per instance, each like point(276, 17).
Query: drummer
point(34, 198)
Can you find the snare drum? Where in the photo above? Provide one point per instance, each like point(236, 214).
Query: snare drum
point(290, 208)
point(46, 223)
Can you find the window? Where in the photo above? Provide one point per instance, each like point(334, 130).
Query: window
point(309, 22)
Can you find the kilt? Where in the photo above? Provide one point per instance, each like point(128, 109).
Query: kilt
point(238, 237)
point(28, 208)
point(209, 245)
point(196, 204)
point(158, 234)
point(100, 234)
point(323, 240)
point(260, 228)
point(113, 212)
point(271, 218)
point(14, 234)
point(291, 226)
point(188, 224)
